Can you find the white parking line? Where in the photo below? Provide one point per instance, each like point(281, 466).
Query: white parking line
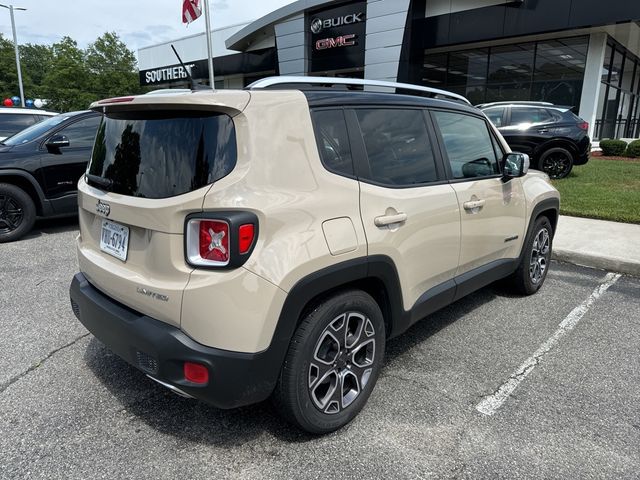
point(491, 403)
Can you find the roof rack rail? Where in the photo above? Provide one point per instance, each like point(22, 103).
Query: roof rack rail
point(354, 82)
point(514, 102)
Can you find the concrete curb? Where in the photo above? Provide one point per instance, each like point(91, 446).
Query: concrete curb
point(613, 264)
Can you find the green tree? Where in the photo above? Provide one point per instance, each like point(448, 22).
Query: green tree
point(36, 61)
point(8, 73)
point(67, 84)
point(112, 66)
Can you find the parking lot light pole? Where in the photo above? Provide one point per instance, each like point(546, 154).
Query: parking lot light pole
point(15, 44)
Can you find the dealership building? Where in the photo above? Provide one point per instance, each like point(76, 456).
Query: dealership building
point(581, 53)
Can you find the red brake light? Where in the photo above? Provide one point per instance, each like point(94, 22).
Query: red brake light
point(208, 242)
point(196, 373)
point(583, 126)
point(245, 238)
point(220, 239)
point(214, 240)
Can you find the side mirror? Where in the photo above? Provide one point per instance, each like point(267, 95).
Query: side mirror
point(515, 165)
point(58, 141)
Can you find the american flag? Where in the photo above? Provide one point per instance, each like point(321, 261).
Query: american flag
point(190, 10)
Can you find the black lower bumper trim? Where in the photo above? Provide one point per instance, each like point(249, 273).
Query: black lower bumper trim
point(160, 350)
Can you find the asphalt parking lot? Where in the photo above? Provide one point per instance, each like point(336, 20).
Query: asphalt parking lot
point(70, 409)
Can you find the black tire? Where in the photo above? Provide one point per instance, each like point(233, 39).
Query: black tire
point(17, 213)
point(303, 392)
point(536, 258)
point(556, 162)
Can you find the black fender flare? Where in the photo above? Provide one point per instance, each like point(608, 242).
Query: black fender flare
point(323, 282)
point(557, 142)
point(543, 206)
point(15, 172)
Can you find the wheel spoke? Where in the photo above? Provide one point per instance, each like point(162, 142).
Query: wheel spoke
point(349, 388)
point(326, 390)
point(317, 371)
point(353, 331)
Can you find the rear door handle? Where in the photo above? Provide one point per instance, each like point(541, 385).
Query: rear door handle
point(385, 220)
point(473, 205)
point(543, 130)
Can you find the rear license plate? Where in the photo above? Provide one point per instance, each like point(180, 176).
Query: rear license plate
point(114, 239)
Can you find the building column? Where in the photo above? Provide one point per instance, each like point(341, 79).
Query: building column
point(290, 42)
point(592, 80)
point(386, 20)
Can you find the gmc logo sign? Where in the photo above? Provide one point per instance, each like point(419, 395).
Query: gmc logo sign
point(341, 41)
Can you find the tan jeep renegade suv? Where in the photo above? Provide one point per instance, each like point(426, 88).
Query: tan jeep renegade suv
point(240, 245)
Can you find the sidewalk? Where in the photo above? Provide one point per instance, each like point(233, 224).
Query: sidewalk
point(597, 243)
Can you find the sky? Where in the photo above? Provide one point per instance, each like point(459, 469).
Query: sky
point(138, 23)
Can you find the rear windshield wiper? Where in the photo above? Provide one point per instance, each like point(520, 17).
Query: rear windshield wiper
point(103, 182)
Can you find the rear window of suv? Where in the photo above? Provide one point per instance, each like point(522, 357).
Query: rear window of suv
point(162, 154)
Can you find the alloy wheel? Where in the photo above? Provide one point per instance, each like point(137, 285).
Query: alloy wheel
point(539, 256)
point(342, 362)
point(11, 214)
point(557, 165)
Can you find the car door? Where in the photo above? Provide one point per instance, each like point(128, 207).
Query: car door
point(62, 165)
point(526, 128)
point(492, 210)
point(409, 212)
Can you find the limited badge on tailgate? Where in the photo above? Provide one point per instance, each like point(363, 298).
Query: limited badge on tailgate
point(114, 239)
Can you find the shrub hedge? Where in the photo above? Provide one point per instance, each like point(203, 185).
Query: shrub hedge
point(613, 148)
point(633, 149)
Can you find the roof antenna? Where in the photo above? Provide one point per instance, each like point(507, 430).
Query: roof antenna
point(192, 82)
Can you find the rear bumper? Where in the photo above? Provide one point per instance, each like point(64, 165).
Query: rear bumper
point(582, 158)
point(160, 350)
point(584, 152)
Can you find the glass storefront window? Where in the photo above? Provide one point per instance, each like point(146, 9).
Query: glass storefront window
point(468, 67)
point(549, 70)
point(616, 68)
point(435, 69)
point(511, 63)
point(559, 71)
point(618, 112)
point(606, 65)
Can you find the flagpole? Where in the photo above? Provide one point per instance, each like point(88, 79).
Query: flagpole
point(209, 49)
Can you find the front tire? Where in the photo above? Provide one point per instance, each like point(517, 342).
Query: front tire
point(333, 363)
point(17, 213)
point(536, 258)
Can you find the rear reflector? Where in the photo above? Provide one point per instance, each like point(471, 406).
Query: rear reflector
point(214, 240)
point(246, 233)
point(196, 373)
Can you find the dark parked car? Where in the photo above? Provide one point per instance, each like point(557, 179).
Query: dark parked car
point(13, 119)
point(554, 137)
point(39, 170)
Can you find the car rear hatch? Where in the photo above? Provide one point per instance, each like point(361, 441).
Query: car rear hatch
point(154, 160)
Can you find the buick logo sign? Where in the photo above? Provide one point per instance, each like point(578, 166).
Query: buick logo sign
point(316, 25)
point(103, 208)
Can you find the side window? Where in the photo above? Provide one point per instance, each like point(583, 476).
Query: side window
point(398, 146)
point(333, 141)
point(495, 115)
point(521, 115)
point(83, 133)
point(468, 144)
